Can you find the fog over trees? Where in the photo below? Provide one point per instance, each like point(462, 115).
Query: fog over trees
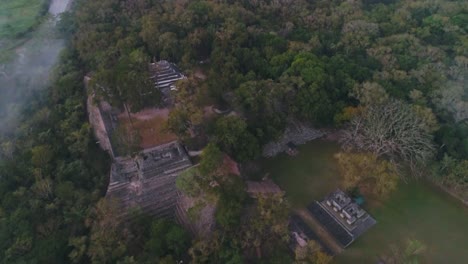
point(391, 74)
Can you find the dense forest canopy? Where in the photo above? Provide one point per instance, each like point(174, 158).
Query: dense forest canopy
point(307, 56)
point(327, 63)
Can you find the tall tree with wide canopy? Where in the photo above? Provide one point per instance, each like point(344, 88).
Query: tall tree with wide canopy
point(391, 130)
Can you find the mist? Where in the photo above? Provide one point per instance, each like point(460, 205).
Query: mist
point(30, 67)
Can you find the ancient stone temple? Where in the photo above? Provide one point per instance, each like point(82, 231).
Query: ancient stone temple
point(164, 75)
point(344, 219)
point(147, 182)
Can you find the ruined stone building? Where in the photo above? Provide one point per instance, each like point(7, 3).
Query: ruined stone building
point(164, 75)
point(147, 182)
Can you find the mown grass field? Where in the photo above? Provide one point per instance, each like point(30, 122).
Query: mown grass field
point(17, 18)
point(416, 210)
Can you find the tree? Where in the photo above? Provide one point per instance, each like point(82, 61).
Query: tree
point(365, 170)
point(79, 248)
point(178, 122)
point(211, 159)
point(234, 138)
point(358, 34)
point(41, 155)
point(267, 224)
point(453, 139)
point(208, 175)
point(451, 100)
point(187, 114)
point(125, 140)
point(231, 203)
point(189, 182)
point(311, 254)
point(105, 245)
point(263, 102)
point(166, 238)
point(126, 82)
point(216, 249)
point(369, 93)
point(453, 173)
point(429, 120)
point(391, 130)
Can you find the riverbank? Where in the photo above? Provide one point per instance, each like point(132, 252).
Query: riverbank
point(30, 65)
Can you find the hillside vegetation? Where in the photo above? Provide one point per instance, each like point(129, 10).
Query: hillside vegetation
point(325, 63)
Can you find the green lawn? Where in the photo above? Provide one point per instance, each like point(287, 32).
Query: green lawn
point(308, 176)
point(416, 210)
point(18, 17)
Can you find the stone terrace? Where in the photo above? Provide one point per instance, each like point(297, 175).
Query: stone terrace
point(147, 182)
point(164, 75)
point(342, 218)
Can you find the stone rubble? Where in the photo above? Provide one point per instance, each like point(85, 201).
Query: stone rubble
point(297, 133)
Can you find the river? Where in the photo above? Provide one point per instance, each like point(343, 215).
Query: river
point(30, 68)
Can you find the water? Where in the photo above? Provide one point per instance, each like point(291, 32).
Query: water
point(30, 68)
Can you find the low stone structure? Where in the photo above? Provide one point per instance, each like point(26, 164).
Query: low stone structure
point(295, 133)
point(341, 217)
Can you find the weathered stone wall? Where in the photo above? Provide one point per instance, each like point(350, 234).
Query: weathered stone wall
point(295, 132)
point(99, 128)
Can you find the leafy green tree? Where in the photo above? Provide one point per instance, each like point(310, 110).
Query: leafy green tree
point(189, 182)
point(106, 244)
point(234, 138)
point(215, 249)
point(453, 139)
point(165, 239)
point(264, 104)
point(42, 155)
point(453, 173)
point(79, 249)
point(365, 170)
point(125, 140)
point(231, 203)
point(311, 254)
point(314, 101)
point(267, 224)
point(127, 83)
point(211, 159)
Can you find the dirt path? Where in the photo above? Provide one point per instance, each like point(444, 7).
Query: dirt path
point(324, 236)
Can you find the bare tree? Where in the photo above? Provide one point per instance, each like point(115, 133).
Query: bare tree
point(391, 130)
